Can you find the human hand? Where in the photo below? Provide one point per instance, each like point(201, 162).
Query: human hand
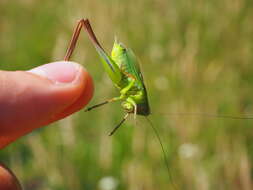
point(35, 98)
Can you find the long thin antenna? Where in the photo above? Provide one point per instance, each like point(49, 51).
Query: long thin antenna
point(121, 122)
point(164, 152)
point(207, 115)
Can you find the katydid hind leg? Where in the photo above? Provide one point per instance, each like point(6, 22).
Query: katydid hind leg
point(111, 68)
point(74, 39)
point(86, 25)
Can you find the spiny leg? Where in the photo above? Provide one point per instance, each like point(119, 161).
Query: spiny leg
point(86, 25)
point(97, 105)
point(73, 41)
point(103, 103)
point(121, 122)
point(81, 23)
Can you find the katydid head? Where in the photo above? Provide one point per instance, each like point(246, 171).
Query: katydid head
point(128, 107)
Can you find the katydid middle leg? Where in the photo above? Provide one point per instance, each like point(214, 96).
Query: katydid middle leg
point(103, 103)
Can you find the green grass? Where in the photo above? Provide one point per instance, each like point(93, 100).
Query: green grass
point(196, 57)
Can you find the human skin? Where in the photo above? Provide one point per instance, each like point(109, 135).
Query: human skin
point(36, 98)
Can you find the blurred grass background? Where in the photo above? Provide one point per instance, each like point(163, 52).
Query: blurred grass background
point(196, 57)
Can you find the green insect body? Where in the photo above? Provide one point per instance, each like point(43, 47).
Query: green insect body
point(126, 76)
point(123, 69)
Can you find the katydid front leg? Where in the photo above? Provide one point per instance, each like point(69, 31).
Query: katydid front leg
point(122, 92)
point(128, 87)
point(121, 122)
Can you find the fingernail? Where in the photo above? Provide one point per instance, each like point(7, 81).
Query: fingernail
point(58, 72)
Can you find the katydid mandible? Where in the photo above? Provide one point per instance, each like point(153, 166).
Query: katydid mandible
point(123, 69)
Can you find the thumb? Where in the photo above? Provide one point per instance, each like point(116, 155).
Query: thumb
point(8, 180)
point(32, 99)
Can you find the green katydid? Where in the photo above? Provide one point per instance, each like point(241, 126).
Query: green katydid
point(124, 71)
